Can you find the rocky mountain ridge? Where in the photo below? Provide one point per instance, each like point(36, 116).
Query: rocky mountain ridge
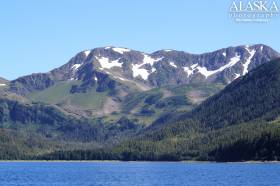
point(146, 71)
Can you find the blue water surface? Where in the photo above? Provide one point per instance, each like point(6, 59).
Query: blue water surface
point(138, 174)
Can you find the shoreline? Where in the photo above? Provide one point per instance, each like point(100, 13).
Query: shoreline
point(119, 161)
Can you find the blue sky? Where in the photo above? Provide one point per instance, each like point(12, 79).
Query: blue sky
point(37, 36)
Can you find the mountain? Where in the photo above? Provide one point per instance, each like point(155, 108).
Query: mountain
point(124, 104)
point(99, 82)
point(101, 66)
point(239, 123)
point(3, 81)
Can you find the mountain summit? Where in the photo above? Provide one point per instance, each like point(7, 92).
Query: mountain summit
point(146, 71)
point(168, 66)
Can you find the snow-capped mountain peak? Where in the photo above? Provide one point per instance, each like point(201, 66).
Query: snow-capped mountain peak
point(121, 50)
point(173, 67)
point(163, 67)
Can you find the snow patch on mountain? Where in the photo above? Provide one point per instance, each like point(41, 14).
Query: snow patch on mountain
point(237, 76)
point(188, 70)
point(76, 67)
point(87, 52)
point(205, 72)
point(249, 60)
point(2, 84)
point(224, 54)
point(173, 64)
point(121, 50)
point(149, 60)
point(139, 70)
point(194, 65)
point(107, 64)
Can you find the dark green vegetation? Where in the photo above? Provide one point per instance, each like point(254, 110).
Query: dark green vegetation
point(42, 125)
point(240, 143)
point(239, 123)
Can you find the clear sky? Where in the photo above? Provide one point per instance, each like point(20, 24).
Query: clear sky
point(37, 36)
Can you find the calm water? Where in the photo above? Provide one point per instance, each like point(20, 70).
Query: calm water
point(138, 173)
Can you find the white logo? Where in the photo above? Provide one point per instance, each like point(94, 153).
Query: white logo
point(253, 11)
